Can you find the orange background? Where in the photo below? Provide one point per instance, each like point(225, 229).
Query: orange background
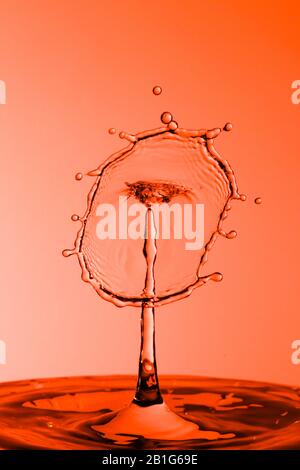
point(75, 68)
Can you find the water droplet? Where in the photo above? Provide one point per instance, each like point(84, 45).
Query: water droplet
point(258, 200)
point(78, 176)
point(173, 125)
point(166, 117)
point(157, 90)
point(217, 277)
point(75, 217)
point(228, 127)
point(213, 133)
point(231, 234)
point(67, 253)
point(129, 137)
point(112, 130)
point(243, 197)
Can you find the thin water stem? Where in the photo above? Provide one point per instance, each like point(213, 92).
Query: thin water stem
point(147, 391)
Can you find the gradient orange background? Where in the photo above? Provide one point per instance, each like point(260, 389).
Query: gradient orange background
point(75, 68)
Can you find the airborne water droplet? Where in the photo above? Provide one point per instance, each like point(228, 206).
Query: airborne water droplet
point(157, 90)
point(166, 117)
point(258, 200)
point(228, 127)
point(78, 176)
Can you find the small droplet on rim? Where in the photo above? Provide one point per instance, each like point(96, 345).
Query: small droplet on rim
point(213, 133)
point(231, 234)
point(67, 253)
point(173, 125)
point(75, 217)
point(216, 277)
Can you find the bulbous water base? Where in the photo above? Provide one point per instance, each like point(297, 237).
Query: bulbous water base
point(153, 422)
